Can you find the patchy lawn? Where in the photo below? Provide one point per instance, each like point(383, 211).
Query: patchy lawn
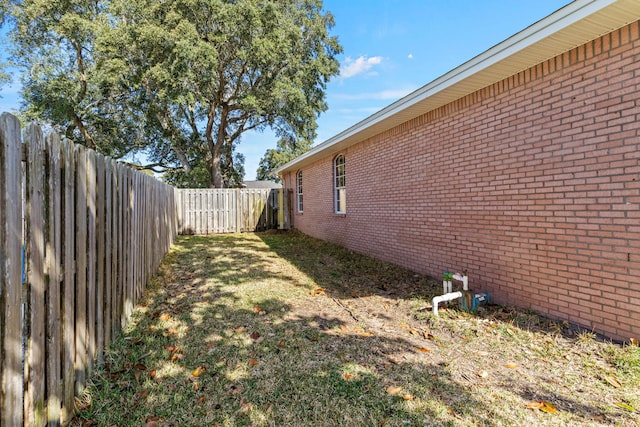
point(279, 329)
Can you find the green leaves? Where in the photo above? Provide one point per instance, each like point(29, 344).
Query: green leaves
point(286, 150)
point(182, 80)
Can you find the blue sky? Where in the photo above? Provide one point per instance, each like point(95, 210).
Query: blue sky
point(391, 48)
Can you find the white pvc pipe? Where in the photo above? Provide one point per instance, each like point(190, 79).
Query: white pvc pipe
point(446, 287)
point(464, 280)
point(444, 298)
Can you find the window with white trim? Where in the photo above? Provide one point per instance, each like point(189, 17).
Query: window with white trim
point(299, 190)
point(340, 189)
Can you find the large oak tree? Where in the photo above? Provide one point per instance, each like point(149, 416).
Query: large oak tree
point(183, 78)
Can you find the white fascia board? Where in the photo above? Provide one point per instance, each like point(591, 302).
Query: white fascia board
point(546, 27)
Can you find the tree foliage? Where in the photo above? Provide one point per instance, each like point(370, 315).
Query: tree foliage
point(182, 79)
point(5, 77)
point(54, 44)
point(286, 150)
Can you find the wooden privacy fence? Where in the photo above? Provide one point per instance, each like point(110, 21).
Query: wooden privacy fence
point(92, 232)
point(211, 211)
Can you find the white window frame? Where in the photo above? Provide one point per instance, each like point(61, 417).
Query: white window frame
point(339, 184)
point(299, 191)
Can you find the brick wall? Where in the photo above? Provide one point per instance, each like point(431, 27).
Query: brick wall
point(531, 184)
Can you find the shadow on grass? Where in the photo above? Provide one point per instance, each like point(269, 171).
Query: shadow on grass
point(221, 340)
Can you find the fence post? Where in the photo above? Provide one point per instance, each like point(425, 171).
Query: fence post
point(281, 224)
point(11, 390)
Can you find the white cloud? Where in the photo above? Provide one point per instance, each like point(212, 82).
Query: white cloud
point(410, 56)
point(362, 64)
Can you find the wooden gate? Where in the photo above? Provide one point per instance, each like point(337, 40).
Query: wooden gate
point(234, 210)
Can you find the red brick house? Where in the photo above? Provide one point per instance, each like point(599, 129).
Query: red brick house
point(522, 166)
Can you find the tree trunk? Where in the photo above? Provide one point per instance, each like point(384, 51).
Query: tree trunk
point(215, 172)
point(215, 148)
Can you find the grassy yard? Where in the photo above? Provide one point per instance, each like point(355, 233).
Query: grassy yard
point(279, 329)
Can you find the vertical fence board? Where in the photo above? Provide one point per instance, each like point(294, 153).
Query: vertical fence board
point(11, 392)
point(81, 268)
point(121, 282)
point(100, 256)
point(34, 311)
point(91, 260)
point(138, 233)
point(129, 259)
point(108, 248)
point(54, 256)
point(68, 291)
point(125, 212)
point(116, 248)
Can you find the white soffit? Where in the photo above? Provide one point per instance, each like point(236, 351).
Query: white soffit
point(572, 26)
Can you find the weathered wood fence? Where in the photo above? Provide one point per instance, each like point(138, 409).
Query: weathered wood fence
point(211, 211)
point(92, 232)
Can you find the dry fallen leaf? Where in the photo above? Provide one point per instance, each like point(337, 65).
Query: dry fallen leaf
point(634, 341)
point(255, 335)
point(165, 317)
point(319, 291)
point(511, 365)
point(281, 343)
point(199, 371)
point(393, 390)
point(366, 334)
point(152, 421)
point(424, 350)
point(246, 407)
point(408, 397)
point(614, 382)
point(253, 362)
point(256, 309)
point(548, 408)
point(171, 348)
point(543, 406)
point(347, 376)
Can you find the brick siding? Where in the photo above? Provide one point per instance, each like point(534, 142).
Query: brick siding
point(531, 184)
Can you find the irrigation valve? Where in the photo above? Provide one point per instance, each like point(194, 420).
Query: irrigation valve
point(469, 300)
